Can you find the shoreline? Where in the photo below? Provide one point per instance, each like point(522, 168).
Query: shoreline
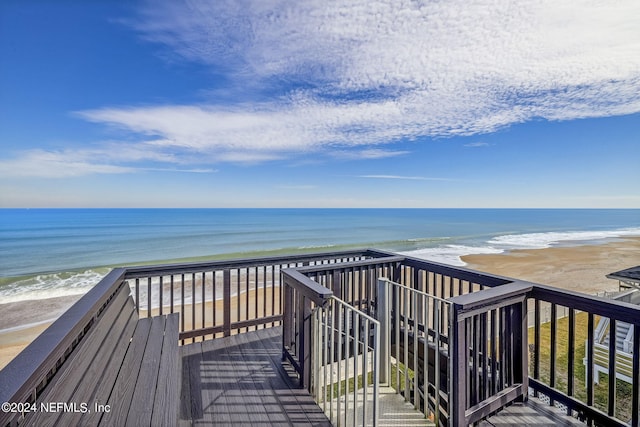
point(581, 268)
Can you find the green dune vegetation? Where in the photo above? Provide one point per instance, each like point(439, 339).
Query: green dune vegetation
point(601, 390)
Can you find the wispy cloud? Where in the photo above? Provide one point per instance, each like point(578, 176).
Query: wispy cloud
point(477, 144)
point(372, 153)
point(395, 71)
point(345, 78)
point(74, 163)
point(178, 170)
point(46, 164)
point(411, 178)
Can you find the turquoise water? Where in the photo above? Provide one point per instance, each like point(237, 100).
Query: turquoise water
point(49, 252)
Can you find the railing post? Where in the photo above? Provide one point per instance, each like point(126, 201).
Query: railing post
point(287, 316)
point(467, 344)
point(317, 351)
point(521, 344)
point(377, 373)
point(337, 284)
point(396, 272)
point(226, 294)
point(304, 340)
point(458, 369)
point(383, 316)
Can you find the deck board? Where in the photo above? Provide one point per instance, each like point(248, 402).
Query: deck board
point(144, 391)
point(239, 380)
point(257, 393)
point(85, 359)
point(123, 389)
point(531, 413)
point(165, 405)
point(191, 361)
point(291, 399)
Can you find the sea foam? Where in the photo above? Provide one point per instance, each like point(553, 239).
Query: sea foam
point(451, 254)
point(548, 239)
point(51, 285)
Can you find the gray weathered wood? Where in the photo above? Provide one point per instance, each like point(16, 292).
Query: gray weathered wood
point(116, 367)
point(165, 404)
point(72, 373)
point(120, 398)
point(196, 267)
point(32, 366)
point(62, 356)
point(530, 414)
point(101, 375)
point(142, 401)
point(239, 380)
point(306, 287)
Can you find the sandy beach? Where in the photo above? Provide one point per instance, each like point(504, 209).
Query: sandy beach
point(243, 312)
point(580, 268)
point(18, 329)
point(21, 322)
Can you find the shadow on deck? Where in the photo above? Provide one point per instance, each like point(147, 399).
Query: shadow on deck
point(240, 380)
point(530, 413)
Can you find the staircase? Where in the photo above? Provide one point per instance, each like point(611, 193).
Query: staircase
point(623, 354)
point(624, 336)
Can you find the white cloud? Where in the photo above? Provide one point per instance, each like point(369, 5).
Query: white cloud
point(351, 76)
point(206, 170)
point(410, 178)
point(477, 144)
point(371, 153)
point(390, 70)
point(73, 163)
point(47, 164)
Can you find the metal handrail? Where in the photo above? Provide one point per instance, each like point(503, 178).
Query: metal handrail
point(407, 319)
point(343, 338)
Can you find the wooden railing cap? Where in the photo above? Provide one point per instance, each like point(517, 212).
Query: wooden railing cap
point(491, 296)
point(307, 287)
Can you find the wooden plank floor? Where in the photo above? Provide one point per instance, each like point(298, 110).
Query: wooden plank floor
point(531, 413)
point(394, 410)
point(240, 380)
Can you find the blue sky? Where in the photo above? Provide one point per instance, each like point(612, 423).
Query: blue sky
point(319, 104)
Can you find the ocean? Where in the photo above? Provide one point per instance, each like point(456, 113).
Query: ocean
point(56, 252)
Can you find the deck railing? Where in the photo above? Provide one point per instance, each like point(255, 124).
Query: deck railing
point(347, 364)
point(415, 327)
point(563, 358)
point(28, 374)
point(491, 343)
point(224, 297)
point(301, 296)
point(203, 293)
point(488, 345)
point(356, 283)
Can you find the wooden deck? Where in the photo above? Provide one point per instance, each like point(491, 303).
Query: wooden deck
point(532, 413)
point(240, 380)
